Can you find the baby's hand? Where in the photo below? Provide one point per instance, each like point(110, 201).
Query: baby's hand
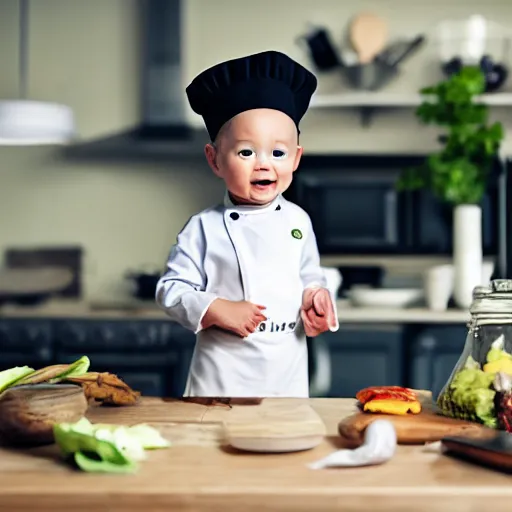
point(317, 311)
point(241, 317)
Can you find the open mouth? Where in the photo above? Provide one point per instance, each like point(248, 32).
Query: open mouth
point(263, 183)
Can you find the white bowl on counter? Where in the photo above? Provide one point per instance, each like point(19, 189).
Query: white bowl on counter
point(362, 296)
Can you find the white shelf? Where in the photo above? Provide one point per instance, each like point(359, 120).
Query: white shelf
point(499, 99)
point(365, 99)
point(396, 100)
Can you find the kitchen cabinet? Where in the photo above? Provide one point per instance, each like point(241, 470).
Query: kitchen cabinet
point(149, 356)
point(357, 356)
point(434, 354)
point(152, 357)
point(25, 342)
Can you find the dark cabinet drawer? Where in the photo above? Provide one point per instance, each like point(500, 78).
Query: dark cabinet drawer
point(152, 357)
point(355, 357)
point(25, 342)
point(113, 335)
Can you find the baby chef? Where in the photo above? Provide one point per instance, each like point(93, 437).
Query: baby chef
point(245, 275)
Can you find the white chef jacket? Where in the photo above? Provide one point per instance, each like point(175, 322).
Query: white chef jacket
point(263, 254)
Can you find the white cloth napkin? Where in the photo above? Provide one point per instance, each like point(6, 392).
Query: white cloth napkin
point(379, 446)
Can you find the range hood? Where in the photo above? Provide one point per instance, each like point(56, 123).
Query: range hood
point(164, 130)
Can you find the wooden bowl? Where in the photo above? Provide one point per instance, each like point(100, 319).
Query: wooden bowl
point(28, 413)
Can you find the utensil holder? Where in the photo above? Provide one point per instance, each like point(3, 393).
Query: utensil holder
point(369, 77)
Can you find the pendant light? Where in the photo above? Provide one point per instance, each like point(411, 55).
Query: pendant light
point(32, 123)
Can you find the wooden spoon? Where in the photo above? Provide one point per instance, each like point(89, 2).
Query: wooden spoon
point(368, 35)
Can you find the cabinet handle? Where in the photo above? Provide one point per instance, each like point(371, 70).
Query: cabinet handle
point(428, 342)
point(390, 216)
point(320, 384)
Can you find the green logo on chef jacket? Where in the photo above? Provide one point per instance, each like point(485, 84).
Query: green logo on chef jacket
point(297, 233)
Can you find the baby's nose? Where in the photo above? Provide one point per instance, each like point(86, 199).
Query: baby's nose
point(262, 162)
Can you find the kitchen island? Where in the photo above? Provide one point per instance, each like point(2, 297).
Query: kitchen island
point(199, 473)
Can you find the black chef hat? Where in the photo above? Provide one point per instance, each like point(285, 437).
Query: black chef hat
point(265, 80)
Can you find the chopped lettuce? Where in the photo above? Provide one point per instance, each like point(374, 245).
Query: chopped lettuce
point(148, 436)
point(12, 375)
point(88, 463)
point(107, 448)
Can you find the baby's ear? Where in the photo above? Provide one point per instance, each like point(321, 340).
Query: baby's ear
point(298, 156)
point(211, 156)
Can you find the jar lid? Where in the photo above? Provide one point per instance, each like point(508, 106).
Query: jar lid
point(481, 291)
point(493, 299)
point(501, 285)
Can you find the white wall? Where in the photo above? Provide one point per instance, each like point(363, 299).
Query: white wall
point(85, 54)
point(124, 216)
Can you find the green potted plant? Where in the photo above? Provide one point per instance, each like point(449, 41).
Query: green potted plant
point(458, 173)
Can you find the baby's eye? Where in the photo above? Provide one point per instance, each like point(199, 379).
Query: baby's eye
point(278, 153)
point(246, 153)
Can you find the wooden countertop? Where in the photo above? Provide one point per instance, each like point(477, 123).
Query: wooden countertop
point(197, 473)
point(149, 311)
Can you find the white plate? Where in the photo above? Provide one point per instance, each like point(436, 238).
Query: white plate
point(384, 297)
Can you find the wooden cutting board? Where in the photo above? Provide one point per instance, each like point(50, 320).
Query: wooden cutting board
point(272, 426)
point(426, 427)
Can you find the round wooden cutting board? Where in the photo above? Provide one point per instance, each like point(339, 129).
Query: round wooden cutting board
point(274, 426)
point(425, 427)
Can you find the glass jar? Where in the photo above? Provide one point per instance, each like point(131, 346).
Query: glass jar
point(479, 388)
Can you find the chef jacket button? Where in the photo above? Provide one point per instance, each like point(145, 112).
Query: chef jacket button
point(234, 216)
point(278, 207)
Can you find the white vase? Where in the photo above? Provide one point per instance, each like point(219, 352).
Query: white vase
point(467, 252)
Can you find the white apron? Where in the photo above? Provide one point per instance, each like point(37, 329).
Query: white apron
point(265, 255)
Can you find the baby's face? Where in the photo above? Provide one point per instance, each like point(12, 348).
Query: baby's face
point(256, 154)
